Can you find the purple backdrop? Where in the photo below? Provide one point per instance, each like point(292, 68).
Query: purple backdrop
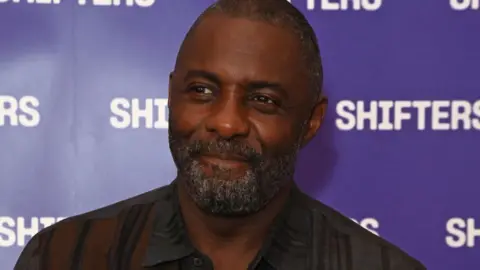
point(82, 111)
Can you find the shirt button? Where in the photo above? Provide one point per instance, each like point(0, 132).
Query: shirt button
point(197, 262)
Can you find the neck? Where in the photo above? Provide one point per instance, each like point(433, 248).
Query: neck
point(212, 234)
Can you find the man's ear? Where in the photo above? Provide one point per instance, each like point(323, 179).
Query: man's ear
point(170, 83)
point(317, 116)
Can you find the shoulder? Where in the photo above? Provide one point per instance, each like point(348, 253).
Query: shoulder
point(97, 228)
point(364, 248)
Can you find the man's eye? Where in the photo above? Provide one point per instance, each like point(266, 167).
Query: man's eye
point(201, 90)
point(264, 99)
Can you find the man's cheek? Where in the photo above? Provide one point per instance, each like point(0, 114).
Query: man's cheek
point(276, 135)
point(185, 121)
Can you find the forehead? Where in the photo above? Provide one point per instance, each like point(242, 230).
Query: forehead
point(243, 49)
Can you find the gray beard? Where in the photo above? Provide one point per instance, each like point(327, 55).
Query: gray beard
point(224, 195)
point(221, 194)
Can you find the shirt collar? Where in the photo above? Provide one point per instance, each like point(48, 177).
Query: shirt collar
point(287, 246)
point(169, 240)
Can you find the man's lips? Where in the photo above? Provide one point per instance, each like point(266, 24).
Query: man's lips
point(224, 160)
point(230, 157)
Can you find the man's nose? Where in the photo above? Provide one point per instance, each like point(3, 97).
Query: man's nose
point(228, 118)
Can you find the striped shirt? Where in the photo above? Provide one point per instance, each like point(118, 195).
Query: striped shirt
point(147, 232)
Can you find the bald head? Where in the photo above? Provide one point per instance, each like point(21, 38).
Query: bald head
point(279, 13)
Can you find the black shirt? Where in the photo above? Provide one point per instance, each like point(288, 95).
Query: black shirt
point(147, 232)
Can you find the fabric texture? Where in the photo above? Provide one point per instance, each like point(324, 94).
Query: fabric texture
point(147, 232)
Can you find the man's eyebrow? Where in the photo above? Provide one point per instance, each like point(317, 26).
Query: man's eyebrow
point(203, 74)
point(277, 87)
point(250, 86)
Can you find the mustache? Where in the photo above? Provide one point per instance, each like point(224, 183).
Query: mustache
point(224, 147)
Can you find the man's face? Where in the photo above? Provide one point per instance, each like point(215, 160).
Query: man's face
point(239, 110)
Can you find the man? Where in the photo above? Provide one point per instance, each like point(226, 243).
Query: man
point(244, 97)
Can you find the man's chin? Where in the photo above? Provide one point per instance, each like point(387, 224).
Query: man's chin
point(228, 209)
point(231, 214)
point(225, 196)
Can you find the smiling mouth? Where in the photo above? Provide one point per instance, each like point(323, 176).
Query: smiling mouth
point(224, 160)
